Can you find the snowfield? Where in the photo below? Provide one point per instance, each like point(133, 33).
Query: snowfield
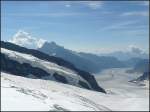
point(20, 93)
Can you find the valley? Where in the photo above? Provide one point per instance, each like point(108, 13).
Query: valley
point(116, 82)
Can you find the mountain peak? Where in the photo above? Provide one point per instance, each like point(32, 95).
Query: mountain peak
point(22, 32)
point(22, 35)
point(24, 39)
point(51, 45)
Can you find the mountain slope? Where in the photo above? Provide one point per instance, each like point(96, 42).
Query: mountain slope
point(145, 76)
point(103, 62)
point(71, 56)
point(142, 80)
point(87, 62)
point(141, 66)
point(35, 64)
point(132, 61)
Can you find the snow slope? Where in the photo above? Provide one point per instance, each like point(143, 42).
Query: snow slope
point(19, 93)
point(50, 67)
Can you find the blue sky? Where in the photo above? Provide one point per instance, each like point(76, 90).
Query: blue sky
point(99, 26)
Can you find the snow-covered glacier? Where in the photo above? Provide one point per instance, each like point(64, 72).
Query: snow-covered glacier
point(20, 93)
point(31, 80)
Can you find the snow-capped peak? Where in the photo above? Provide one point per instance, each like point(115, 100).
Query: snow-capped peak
point(24, 39)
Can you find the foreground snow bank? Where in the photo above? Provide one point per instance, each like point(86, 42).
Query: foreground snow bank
point(19, 93)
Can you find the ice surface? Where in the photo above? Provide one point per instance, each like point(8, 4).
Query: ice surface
point(19, 93)
point(129, 96)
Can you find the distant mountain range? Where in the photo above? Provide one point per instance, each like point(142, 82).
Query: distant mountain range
point(134, 53)
point(85, 61)
point(92, 63)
